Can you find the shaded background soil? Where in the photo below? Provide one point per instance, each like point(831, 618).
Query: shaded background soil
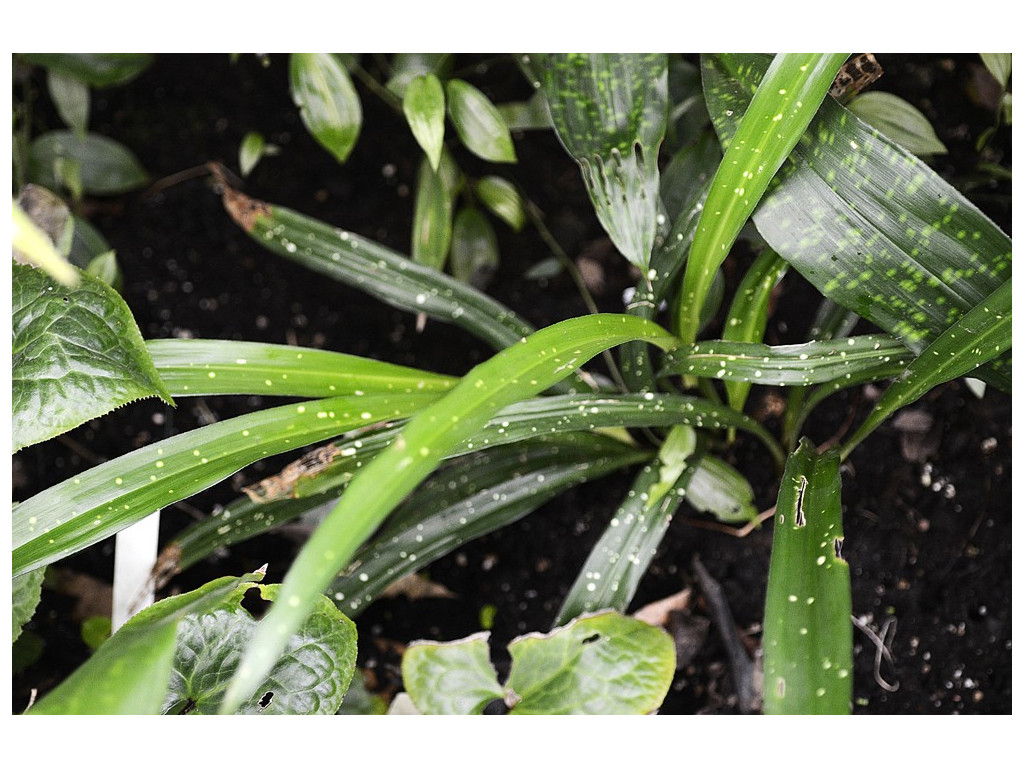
point(927, 515)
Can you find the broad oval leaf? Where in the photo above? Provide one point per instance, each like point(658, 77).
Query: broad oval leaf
point(478, 123)
point(76, 354)
point(71, 99)
point(25, 593)
point(898, 119)
point(423, 105)
point(310, 678)
point(454, 678)
point(502, 199)
point(130, 672)
point(474, 254)
point(99, 70)
point(104, 166)
point(330, 107)
point(598, 664)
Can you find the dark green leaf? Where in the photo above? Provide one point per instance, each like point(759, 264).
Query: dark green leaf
point(609, 113)
point(472, 497)
point(129, 673)
point(407, 66)
point(899, 120)
point(76, 354)
point(104, 166)
point(310, 678)
point(977, 337)
point(25, 593)
point(808, 638)
point(871, 226)
point(330, 108)
point(478, 123)
point(432, 218)
point(99, 70)
point(812, 362)
point(379, 271)
point(474, 248)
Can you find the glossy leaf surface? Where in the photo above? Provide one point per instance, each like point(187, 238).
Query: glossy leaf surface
point(609, 113)
point(76, 354)
point(423, 105)
point(478, 123)
point(453, 678)
point(513, 374)
point(99, 502)
point(870, 225)
point(781, 108)
point(808, 637)
point(328, 102)
point(899, 120)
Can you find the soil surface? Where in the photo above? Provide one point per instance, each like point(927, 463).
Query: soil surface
point(926, 498)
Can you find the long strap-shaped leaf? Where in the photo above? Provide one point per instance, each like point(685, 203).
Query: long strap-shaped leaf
point(808, 638)
point(863, 358)
point(379, 271)
point(101, 501)
point(782, 107)
point(979, 336)
point(473, 497)
point(869, 224)
point(213, 367)
point(513, 374)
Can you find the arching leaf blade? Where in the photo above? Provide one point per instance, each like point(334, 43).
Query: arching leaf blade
point(779, 112)
point(513, 374)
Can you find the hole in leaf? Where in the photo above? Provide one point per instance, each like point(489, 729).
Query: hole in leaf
point(254, 603)
point(591, 639)
point(265, 699)
point(495, 707)
point(837, 544)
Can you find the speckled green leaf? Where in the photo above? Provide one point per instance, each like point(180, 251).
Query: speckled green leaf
point(310, 678)
point(478, 123)
point(901, 121)
point(102, 166)
point(780, 109)
point(99, 70)
point(196, 367)
point(870, 225)
point(609, 112)
point(599, 664)
point(514, 374)
point(423, 105)
point(474, 256)
point(25, 593)
point(472, 497)
point(379, 271)
point(76, 354)
point(129, 673)
point(453, 678)
point(330, 108)
point(99, 502)
point(980, 335)
point(748, 314)
point(813, 362)
point(808, 637)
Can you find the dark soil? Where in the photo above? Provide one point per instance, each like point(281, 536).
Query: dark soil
point(927, 518)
